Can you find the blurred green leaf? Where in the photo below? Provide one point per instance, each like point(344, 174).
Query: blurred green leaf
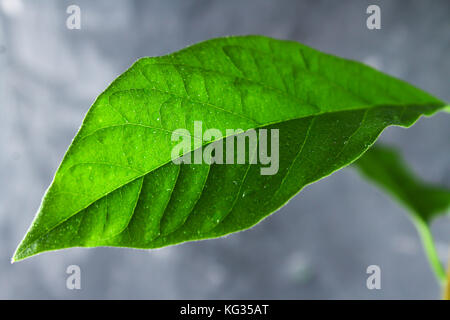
point(385, 167)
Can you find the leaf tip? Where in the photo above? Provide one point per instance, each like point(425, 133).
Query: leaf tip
point(19, 254)
point(15, 258)
point(447, 108)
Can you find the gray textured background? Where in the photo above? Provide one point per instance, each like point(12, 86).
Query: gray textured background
point(318, 246)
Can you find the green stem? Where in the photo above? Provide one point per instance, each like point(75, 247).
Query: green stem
point(447, 285)
point(430, 249)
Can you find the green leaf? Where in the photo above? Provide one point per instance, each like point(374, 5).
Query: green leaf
point(117, 186)
point(385, 167)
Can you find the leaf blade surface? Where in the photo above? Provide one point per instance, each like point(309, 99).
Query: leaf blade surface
point(329, 111)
